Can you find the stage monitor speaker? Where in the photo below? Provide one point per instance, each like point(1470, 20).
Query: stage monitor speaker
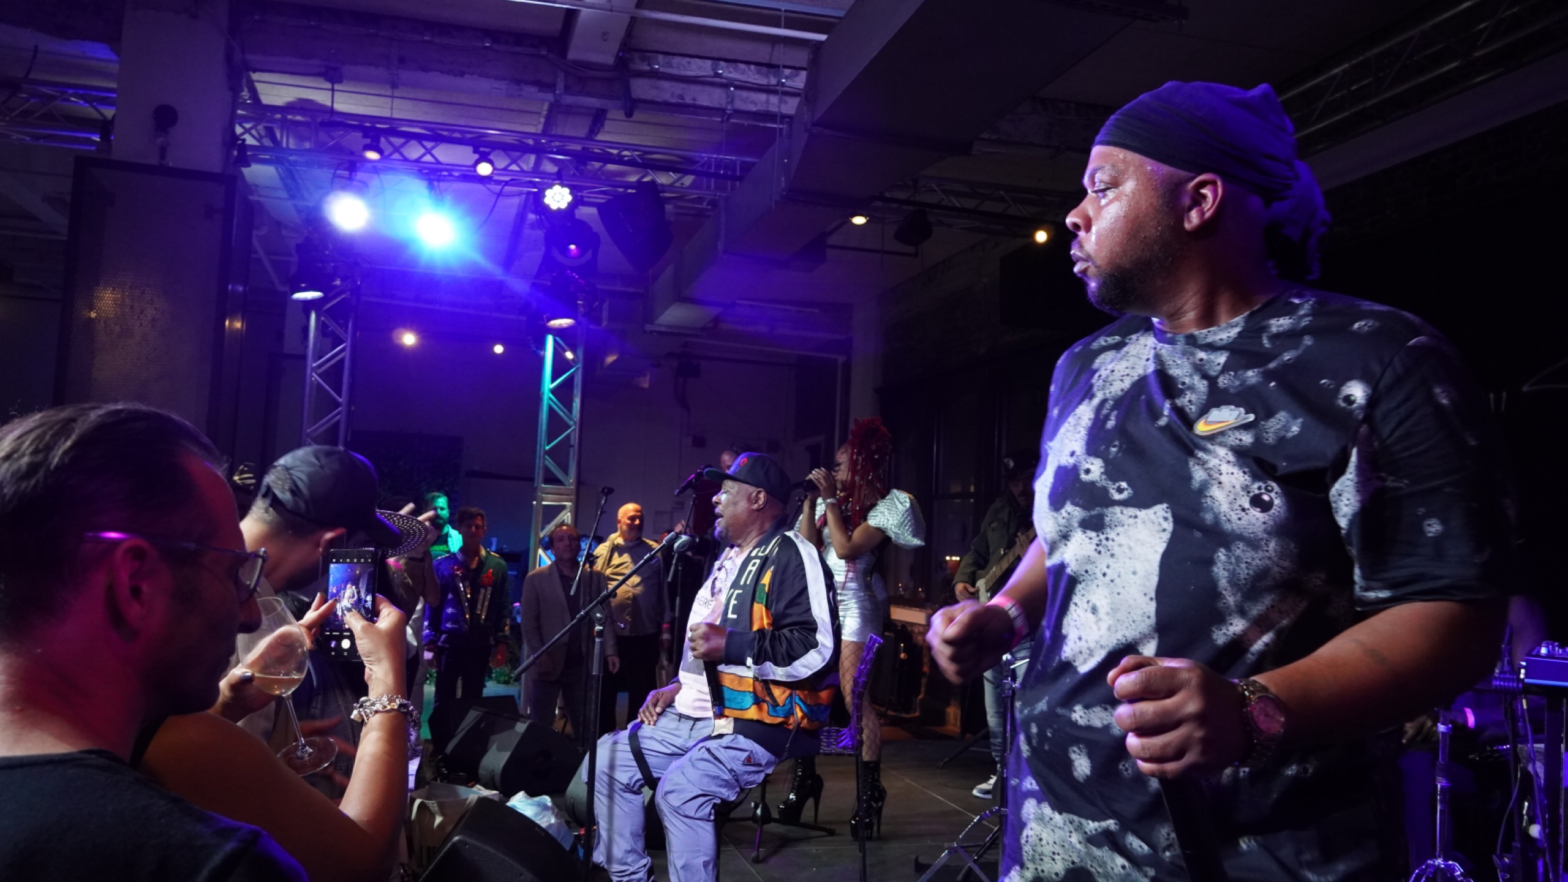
point(636, 224)
point(448, 716)
point(494, 843)
point(153, 300)
point(508, 754)
point(1039, 290)
point(529, 757)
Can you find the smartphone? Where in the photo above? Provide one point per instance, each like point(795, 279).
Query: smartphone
point(353, 576)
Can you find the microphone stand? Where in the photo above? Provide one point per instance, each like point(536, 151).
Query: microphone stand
point(588, 557)
point(595, 608)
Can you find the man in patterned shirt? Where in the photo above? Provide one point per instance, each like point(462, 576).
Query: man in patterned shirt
point(1273, 524)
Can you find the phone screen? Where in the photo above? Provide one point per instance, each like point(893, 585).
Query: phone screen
point(352, 584)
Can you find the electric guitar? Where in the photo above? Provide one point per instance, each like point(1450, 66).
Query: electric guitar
point(997, 573)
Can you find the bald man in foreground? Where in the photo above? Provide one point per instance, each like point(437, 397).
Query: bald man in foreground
point(638, 613)
point(1273, 524)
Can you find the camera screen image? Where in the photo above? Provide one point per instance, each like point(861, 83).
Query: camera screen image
point(352, 586)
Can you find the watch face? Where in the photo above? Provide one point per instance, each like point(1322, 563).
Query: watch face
point(1268, 715)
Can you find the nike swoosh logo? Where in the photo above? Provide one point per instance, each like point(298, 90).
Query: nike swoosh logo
point(1204, 427)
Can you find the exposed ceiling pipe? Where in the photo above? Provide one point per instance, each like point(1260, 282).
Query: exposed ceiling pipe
point(677, 18)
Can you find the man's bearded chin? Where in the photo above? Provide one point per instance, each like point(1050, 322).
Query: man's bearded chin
point(1132, 287)
point(721, 535)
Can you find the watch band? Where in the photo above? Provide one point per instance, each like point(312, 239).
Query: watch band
point(1264, 741)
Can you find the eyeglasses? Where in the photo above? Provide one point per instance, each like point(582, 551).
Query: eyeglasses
point(246, 579)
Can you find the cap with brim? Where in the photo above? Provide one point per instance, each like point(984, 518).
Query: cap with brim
point(756, 470)
point(333, 487)
point(411, 532)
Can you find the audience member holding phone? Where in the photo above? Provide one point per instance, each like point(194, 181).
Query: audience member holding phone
point(311, 498)
point(224, 770)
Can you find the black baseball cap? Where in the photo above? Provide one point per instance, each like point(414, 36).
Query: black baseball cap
point(757, 470)
point(332, 487)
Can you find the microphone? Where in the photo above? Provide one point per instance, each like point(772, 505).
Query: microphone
point(691, 481)
point(606, 491)
point(803, 485)
point(679, 542)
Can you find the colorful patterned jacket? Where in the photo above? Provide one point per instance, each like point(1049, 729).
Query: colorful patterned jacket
point(779, 674)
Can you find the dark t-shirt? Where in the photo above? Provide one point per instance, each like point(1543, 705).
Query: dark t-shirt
point(87, 815)
point(1239, 496)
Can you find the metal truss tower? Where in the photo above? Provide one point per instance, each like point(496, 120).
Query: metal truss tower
point(555, 456)
point(329, 365)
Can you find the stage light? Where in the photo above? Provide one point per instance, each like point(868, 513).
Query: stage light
point(407, 338)
point(315, 265)
point(498, 349)
point(435, 229)
point(568, 354)
point(372, 150)
point(241, 155)
point(914, 229)
point(1042, 236)
point(561, 322)
point(484, 166)
point(558, 197)
point(859, 220)
point(345, 210)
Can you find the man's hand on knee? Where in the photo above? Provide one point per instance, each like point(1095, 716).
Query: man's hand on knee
point(657, 701)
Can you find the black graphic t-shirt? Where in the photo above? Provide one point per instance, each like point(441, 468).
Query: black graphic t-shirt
point(1239, 496)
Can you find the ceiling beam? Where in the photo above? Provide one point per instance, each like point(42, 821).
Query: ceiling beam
point(880, 108)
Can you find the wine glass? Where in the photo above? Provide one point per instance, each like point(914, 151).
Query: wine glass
point(277, 654)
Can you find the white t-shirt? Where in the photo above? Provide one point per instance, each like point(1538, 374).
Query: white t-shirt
point(694, 699)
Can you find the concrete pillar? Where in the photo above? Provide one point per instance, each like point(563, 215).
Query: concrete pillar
point(176, 52)
point(865, 359)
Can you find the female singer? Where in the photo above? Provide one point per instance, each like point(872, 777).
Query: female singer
point(851, 514)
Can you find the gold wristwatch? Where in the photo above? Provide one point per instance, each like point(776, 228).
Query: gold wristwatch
point(1265, 716)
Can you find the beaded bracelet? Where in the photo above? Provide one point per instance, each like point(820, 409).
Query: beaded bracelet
point(1016, 613)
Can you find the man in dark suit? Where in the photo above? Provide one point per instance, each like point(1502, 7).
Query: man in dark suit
point(548, 604)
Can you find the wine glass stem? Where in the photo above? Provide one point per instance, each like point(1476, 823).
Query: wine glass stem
point(301, 749)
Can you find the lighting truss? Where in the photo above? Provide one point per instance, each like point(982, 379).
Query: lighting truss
point(62, 114)
point(299, 136)
point(329, 363)
point(1419, 63)
point(555, 455)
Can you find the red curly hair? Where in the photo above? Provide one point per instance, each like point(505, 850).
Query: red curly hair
point(870, 467)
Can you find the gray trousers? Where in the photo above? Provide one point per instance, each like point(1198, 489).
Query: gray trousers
point(996, 705)
point(696, 772)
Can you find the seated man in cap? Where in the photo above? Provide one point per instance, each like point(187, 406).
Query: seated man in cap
point(1273, 524)
point(757, 680)
point(123, 582)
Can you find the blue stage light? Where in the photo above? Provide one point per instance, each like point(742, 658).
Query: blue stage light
point(435, 229)
point(346, 211)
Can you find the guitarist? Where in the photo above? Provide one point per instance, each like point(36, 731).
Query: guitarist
point(1004, 535)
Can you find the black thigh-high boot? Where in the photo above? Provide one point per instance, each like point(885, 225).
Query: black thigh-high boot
point(806, 786)
point(867, 820)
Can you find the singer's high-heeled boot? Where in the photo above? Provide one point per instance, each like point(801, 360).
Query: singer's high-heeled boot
point(867, 820)
point(806, 786)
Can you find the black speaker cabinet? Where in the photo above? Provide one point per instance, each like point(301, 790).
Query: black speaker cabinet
point(448, 716)
point(494, 843)
point(508, 754)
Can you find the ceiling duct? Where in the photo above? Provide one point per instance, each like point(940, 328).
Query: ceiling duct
point(897, 86)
